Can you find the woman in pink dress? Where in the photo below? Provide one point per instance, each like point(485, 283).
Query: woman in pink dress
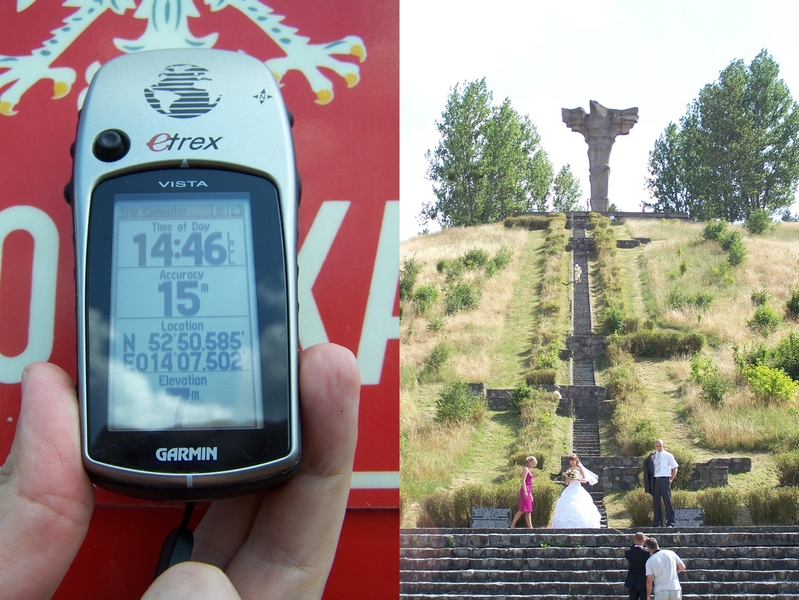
point(526, 494)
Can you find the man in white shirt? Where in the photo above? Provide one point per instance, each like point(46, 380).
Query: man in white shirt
point(660, 469)
point(661, 572)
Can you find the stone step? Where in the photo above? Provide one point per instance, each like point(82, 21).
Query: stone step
point(588, 574)
point(577, 564)
point(592, 589)
point(532, 555)
point(614, 596)
point(742, 538)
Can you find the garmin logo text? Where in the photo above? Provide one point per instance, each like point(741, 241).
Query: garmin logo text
point(164, 141)
point(186, 454)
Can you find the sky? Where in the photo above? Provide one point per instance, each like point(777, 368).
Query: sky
point(545, 55)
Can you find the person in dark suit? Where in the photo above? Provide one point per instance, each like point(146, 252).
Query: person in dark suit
point(637, 556)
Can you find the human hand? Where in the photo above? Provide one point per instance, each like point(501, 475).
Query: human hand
point(276, 544)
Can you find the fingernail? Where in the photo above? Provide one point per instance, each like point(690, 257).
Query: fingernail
point(23, 378)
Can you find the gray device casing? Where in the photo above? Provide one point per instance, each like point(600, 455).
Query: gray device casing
point(247, 130)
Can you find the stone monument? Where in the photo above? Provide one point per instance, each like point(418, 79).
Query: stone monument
point(600, 128)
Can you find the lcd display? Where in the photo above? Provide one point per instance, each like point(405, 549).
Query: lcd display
point(183, 336)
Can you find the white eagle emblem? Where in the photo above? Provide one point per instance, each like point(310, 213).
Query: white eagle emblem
point(168, 27)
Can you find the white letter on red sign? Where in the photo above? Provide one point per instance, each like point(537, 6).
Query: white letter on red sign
point(311, 258)
point(41, 321)
point(379, 323)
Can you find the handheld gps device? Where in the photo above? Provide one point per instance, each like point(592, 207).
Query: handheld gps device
point(184, 197)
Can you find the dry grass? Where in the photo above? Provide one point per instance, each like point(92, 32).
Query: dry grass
point(472, 335)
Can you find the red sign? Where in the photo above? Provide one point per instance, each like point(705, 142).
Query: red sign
point(338, 65)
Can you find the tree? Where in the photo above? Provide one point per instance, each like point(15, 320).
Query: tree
point(736, 149)
point(566, 191)
point(488, 163)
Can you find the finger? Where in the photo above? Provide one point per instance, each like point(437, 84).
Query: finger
point(294, 536)
point(46, 498)
point(192, 581)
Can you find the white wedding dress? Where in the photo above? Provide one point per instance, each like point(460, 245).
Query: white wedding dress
point(575, 509)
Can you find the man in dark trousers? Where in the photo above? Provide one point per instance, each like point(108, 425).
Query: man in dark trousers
point(660, 469)
point(637, 556)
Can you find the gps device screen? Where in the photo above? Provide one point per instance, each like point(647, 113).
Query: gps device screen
point(182, 313)
point(187, 322)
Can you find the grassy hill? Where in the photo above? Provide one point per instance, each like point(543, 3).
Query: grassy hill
point(680, 281)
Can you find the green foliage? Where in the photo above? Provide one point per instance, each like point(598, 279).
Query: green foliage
point(639, 506)
point(788, 467)
point(765, 320)
point(736, 252)
point(678, 299)
point(770, 386)
point(792, 305)
point(408, 273)
point(455, 403)
point(769, 506)
point(642, 436)
point(439, 355)
point(488, 162)
point(735, 150)
point(783, 356)
point(614, 318)
point(686, 458)
point(566, 191)
point(758, 222)
point(712, 382)
point(760, 297)
point(656, 343)
point(502, 258)
point(531, 222)
point(474, 259)
point(714, 230)
point(435, 324)
point(425, 297)
point(519, 394)
point(462, 296)
point(720, 505)
point(541, 376)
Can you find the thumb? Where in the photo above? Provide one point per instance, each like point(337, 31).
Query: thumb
point(192, 581)
point(46, 499)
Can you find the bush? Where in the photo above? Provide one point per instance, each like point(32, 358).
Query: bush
point(760, 297)
point(462, 296)
point(435, 324)
point(758, 222)
point(657, 344)
point(769, 506)
point(438, 357)
point(765, 320)
point(639, 507)
point(541, 376)
point(736, 252)
point(711, 381)
point(528, 222)
point(425, 297)
point(644, 433)
point(502, 258)
point(520, 393)
point(686, 458)
point(455, 403)
point(615, 319)
point(788, 467)
point(714, 230)
point(545, 496)
point(474, 259)
point(720, 505)
point(408, 274)
point(770, 385)
point(792, 305)
point(728, 239)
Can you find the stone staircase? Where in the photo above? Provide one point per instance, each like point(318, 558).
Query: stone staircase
point(750, 563)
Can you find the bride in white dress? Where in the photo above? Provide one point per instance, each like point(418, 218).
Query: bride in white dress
point(575, 508)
